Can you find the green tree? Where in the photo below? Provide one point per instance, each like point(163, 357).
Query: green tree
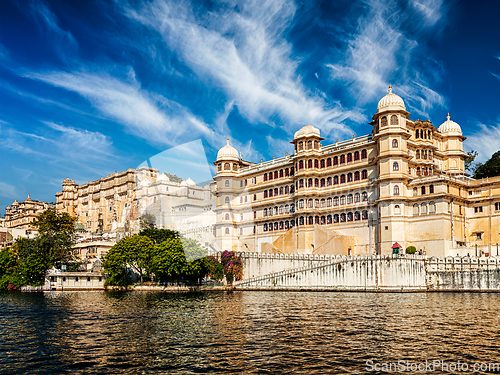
point(159, 235)
point(215, 269)
point(10, 276)
point(169, 259)
point(489, 169)
point(147, 221)
point(136, 252)
point(173, 177)
point(54, 222)
point(411, 250)
point(469, 161)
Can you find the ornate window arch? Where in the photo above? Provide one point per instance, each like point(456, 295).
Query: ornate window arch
point(227, 166)
point(363, 154)
point(356, 155)
point(357, 216)
point(335, 160)
point(226, 183)
point(227, 230)
point(342, 159)
point(365, 196)
point(336, 180)
point(309, 163)
point(349, 199)
point(396, 189)
point(349, 177)
point(364, 174)
point(301, 164)
point(329, 181)
point(226, 217)
point(226, 200)
point(357, 198)
point(394, 120)
point(394, 143)
point(322, 163)
point(329, 162)
point(395, 166)
point(342, 200)
point(349, 216)
point(342, 178)
point(383, 121)
point(336, 218)
point(356, 176)
point(349, 157)
point(336, 201)
point(329, 202)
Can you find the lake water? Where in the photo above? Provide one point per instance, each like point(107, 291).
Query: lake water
point(242, 332)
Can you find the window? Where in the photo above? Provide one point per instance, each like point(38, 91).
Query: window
point(423, 208)
point(227, 183)
point(342, 218)
point(394, 120)
point(301, 203)
point(322, 182)
point(227, 217)
point(497, 206)
point(431, 189)
point(349, 199)
point(364, 215)
point(282, 224)
point(100, 278)
point(275, 175)
point(219, 167)
point(322, 164)
point(336, 201)
point(335, 160)
point(415, 191)
point(265, 227)
point(349, 157)
point(356, 155)
point(329, 202)
point(478, 236)
point(301, 146)
point(265, 193)
point(349, 216)
point(336, 218)
point(281, 172)
point(316, 182)
point(336, 180)
point(292, 189)
point(356, 176)
point(383, 121)
point(365, 196)
point(227, 166)
point(301, 220)
point(77, 278)
point(309, 163)
point(417, 154)
point(364, 174)
point(309, 145)
point(342, 178)
point(235, 166)
point(287, 173)
point(301, 183)
point(310, 203)
point(418, 171)
point(265, 176)
point(281, 210)
point(316, 145)
point(349, 177)
point(316, 203)
point(432, 207)
point(363, 154)
point(397, 209)
point(395, 166)
point(329, 181)
point(394, 143)
point(287, 209)
point(275, 192)
point(342, 199)
point(310, 182)
point(396, 189)
point(329, 219)
point(357, 198)
point(423, 190)
point(478, 209)
point(316, 165)
point(329, 162)
point(88, 278)
point(301, 164)
point(270, 175)
point(287, 189)
point(421, 133)
point(255, 197)
point(416, 133)
point(311, 220)
point(342, 159)
point(415, 209)
point(265, 212)
point(270, 193)
point(430, 154)
point(226, 200)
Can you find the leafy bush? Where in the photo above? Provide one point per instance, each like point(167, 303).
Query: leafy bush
point(411, 250)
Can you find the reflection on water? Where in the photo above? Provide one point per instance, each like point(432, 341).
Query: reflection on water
point(241, 332)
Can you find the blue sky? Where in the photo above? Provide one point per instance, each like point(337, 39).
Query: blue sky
point(92, 87)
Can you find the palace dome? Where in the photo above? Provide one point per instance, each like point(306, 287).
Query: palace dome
point(391, 102)
point(228, 152)
point(449, 126)
point(163, 177)
point(307, 131)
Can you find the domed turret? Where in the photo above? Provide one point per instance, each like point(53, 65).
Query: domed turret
point(449, 127)
point(391, 102)
point(228, 152)
point(190, 182)
point(163, 178)
point(307, 131)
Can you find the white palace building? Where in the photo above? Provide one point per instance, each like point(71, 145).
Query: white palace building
point(404, 184)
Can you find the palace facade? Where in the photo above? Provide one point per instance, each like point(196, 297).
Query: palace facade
point(404, 184)
point(115, 204)
point(20, 215)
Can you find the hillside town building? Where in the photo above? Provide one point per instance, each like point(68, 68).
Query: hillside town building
point(404, 183)
point(20, 215)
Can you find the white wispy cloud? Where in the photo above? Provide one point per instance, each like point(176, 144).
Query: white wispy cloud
point(246, 53)
point(486, 141)
point(7, 190)
point(381, 52)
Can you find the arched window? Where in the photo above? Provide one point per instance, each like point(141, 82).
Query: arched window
point(227, 183)
point(310, 203)
point(287, 189)
point(397, 209)
point(418, 171)
point(356, 176)
point(323, 203)
point(428, 134)
point(395, 166)
point(357, 198)
point(336, 201)
point(415, 209)
point(276, 226)
point(383, 121)
point(421, 134)
point(270, 226)
point(336, 180)
point(349, 216)
point(287, 209)
point(322, 164)
point(356, 155)
point(316, 145)
point(281, 190)
point(364, 215)
point(336, 218)
point(342, 178)
point(301, 220)
point(316, 182)
point(363, 154)
point(417, 154)
point(227, 230)
point(265, 176)
point(335, 160)
point(322, 182)
point(311, 220)
point(416, 133)
point(227, 217)
point(396, 189)
point(309, 163)
point(394, 120)
point(423, 208)
point(430, 154)
point(365, 196)
point(235, 166)
point(309, 145)
point(270, 193)
point(227, 166)
point(287, 172)
point(364, 174)
point(349, 199)
point(329, 202)
point(281, 210)
point(329, 162)
point(265, 212)
point(226, 200)
point(349, 157)
point(287, 224)
point(394, 143)
point(316, 203)
point(310, 182)
point(301, 183)
point(424, 154)
point(301, 203)
point(431, 189)
point(270, 175)
point(301, 146)
point(275, 192)
point(357, 216)
point(281, 172)
point(342, 159)
point(282, 224)
point(432, 207)
point(292, 189)
point(342, 217)
point(265, 227)
point(316, 164)
point(219, 167)
point(329, 219)
point(301, 164)
point(349, 177)
point(342, 200)
point(329, 181)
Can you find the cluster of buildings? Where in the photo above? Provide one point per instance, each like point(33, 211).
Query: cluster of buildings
point(402, 184)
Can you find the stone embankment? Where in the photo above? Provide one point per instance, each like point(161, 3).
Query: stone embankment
point(389, 273)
